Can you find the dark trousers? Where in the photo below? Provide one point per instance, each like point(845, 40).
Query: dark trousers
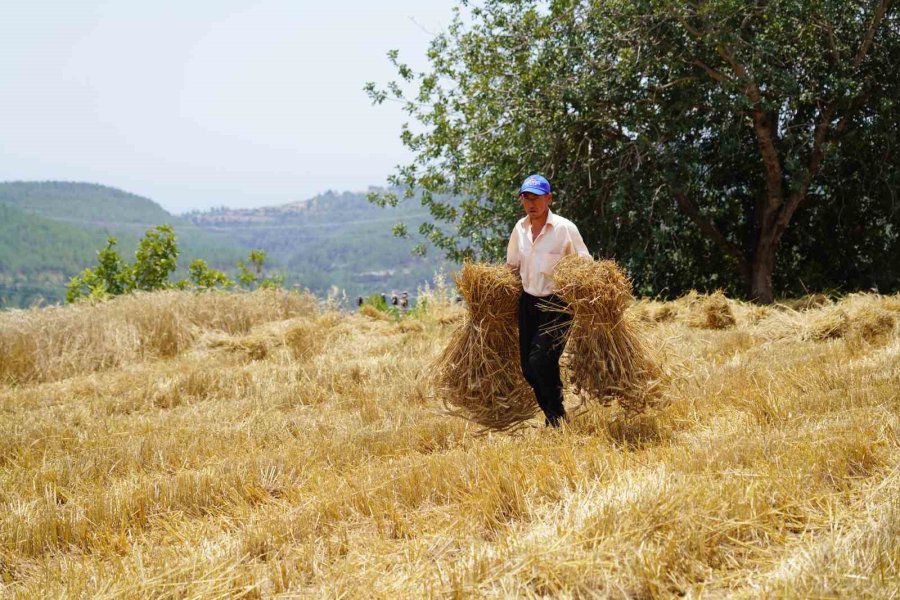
point(542, 338)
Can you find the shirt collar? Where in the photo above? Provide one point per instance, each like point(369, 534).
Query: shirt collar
point(552, 219)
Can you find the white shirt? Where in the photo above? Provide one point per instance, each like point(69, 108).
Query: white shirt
point(536, 258)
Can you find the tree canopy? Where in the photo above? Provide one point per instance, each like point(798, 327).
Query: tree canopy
point(750, 146)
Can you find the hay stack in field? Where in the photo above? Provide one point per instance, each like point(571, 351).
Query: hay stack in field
point(858, 316)
point(828, 324)
point(873, 323)
point(711, 312)
point(478, 376)
point(607, 356)
point(807, 302)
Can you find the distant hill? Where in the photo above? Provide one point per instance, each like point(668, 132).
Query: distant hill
point(333, 239)
point(38, 255)
point(52, 230)
point(83, 203)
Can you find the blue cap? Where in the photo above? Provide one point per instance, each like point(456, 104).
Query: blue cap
point(536, 184)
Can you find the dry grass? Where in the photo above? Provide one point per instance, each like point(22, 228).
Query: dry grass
point(324, 467)
point(54, 343)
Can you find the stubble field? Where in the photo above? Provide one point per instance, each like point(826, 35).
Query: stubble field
point(174, 445)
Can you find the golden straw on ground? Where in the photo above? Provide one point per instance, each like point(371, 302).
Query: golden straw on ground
point(478, 373)
point(607, 357)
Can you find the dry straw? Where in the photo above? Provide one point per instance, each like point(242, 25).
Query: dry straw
point(607, 356)
point(49, 344)
point(710, 312)
point(478, 376)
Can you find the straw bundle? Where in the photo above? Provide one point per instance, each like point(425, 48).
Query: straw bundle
point(478, 376)
point(711, 312)
point(872, 323)
point(607, 357)
point(829, 324)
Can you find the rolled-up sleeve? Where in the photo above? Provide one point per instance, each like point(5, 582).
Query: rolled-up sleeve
point(512, 250)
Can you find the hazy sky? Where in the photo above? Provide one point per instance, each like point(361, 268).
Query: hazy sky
point(205, 103)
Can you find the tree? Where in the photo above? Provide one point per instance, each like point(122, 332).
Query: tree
point(251, 274)
point(203, 277)
point(156, 258)
point(110, 278)
point(154, 261)
point(705, 144)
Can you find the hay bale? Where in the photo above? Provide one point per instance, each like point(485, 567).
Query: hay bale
point(251, 347)
point(478, 375)
point(891, 303)
point(807, 302)
point(872, 323)
point(711, 312)
point(666, 313)
point(305, 339)
point(829, 324)
point(642, 311)
point(607, 357)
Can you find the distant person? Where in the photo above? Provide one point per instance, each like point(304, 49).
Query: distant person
point(536, 244)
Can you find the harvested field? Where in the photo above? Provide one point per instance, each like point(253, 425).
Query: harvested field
point(167, 446)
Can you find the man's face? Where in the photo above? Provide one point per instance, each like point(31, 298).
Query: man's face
point(535, 206)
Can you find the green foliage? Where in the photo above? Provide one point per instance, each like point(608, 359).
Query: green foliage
point(250, 273)
point(378, 303)
point(38, 255)
point(154, 262)
point(111, 277)
point(205, 278)
point(690, 141)
point(112, 270)
point(156, 258)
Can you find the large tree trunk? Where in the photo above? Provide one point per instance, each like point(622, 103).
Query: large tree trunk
point(761, 289)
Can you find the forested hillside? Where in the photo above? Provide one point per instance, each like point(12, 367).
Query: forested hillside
point(53, 230)
point(38, 255)
point(334, 239)
point(83, 203)
point(50, 231)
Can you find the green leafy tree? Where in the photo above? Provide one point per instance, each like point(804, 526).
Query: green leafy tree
point(112, 270)
point(156, 258)
point(204, 277)
point(110, 278)
point(250, 273)
point(704, 144)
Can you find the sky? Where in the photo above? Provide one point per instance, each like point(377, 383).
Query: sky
point(205, 103)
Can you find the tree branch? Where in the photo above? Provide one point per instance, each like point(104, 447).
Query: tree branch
point(713, 74)
point(765, 135)
point(817, 154)
point(870, 33)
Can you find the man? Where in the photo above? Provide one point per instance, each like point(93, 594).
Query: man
point(537, 243)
